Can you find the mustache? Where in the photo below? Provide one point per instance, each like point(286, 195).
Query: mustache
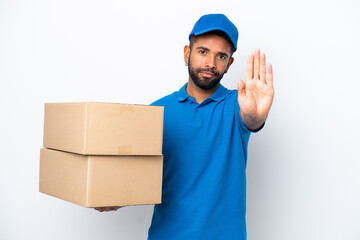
point(216, 74)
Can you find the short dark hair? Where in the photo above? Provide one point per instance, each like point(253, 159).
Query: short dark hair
point(194, 38)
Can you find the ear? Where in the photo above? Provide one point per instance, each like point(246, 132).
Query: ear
point(229, 64)
point(186, 54)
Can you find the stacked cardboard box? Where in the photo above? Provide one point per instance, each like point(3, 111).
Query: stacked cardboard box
point(102, 154)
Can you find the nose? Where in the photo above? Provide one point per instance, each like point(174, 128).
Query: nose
point(210, 62)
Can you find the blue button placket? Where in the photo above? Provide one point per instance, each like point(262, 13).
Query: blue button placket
point(198, 114)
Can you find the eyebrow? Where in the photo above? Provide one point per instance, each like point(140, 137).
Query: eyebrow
point(206, 49)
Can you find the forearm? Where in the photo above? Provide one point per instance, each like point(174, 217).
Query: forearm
point(252, 123)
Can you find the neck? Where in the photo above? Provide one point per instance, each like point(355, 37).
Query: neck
point(199, 94)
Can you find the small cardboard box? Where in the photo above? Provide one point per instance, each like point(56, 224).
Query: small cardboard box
point(93, 128)
point(100, 181)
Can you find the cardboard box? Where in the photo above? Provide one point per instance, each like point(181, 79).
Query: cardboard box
point(99, 181)
point(92, 128)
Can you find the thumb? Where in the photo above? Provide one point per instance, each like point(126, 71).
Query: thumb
point(241, 87)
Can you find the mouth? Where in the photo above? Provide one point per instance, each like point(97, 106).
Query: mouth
point(207, 74)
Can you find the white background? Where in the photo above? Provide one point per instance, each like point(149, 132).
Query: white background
point(303, 167)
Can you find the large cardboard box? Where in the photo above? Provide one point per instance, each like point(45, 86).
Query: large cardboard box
point(100, 181)
point(93, 128)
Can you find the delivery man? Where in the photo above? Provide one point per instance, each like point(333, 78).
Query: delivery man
point(206, 133)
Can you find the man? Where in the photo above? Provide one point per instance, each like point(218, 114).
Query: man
point(206, 133)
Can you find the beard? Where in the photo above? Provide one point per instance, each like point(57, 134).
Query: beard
point(204, 83)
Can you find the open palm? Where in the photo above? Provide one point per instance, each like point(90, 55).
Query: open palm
point(256, 94)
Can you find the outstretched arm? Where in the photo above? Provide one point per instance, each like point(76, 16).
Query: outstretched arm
point(256, 94)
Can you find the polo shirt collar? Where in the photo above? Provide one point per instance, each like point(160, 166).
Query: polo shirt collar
point(182, 95)
point(218, 95)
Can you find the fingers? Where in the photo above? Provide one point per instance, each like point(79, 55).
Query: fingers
point(256, 64)
point(106, 209)
point(269, 75)
point(112, 208)
point(100, 209)
point(256, 67)
point(250, 67)
point(262, 67)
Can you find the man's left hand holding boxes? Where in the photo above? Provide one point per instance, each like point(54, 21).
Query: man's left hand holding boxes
point(102, 155)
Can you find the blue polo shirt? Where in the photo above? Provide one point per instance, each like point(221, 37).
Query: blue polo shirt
point(204, 181)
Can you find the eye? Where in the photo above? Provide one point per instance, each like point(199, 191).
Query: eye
point(202, 51)
point(222, 57)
